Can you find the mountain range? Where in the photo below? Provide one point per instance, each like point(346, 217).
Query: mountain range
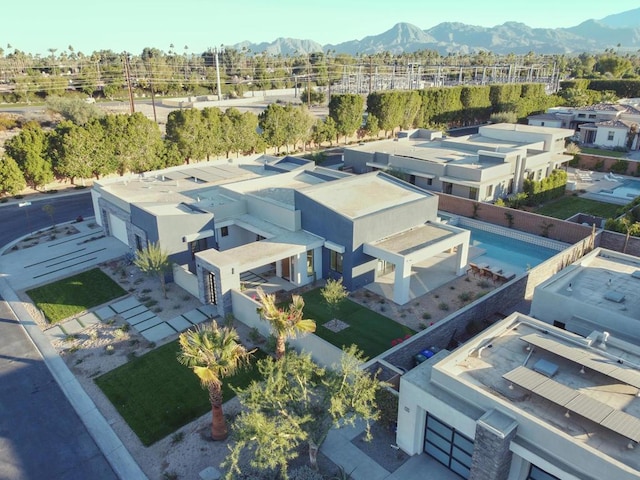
point(618, 31)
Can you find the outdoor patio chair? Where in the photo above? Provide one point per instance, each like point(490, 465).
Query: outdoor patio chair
point(474, 269)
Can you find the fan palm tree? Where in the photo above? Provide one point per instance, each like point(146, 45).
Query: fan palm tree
point(284, 323)
point(213, 353)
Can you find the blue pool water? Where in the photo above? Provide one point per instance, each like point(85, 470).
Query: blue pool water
point(506, 253)
point(628, 190)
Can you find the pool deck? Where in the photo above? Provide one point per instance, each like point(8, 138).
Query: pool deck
point(593, 182)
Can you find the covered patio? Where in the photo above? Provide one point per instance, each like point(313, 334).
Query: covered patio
point(423, 258)
point(275, 264)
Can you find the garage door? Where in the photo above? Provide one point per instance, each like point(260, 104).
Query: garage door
point(118, 228)
point(448, 446)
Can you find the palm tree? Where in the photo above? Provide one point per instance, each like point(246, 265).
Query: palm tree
point(213, 353)
point(284, 323)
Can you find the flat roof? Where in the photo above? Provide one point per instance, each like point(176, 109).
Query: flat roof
point(361, 195)
point(279, 188)
point(502, 365)
point(441, 151)
point(516, 127)
point(179, 184)
point(414, 239)
point(604, 280)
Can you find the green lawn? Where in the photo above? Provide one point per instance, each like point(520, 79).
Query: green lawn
point(606, 153)
point(370, 331)
point(72, 295)
point(565, 207)
point(156, 395)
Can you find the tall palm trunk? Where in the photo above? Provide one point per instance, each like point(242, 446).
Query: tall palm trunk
point(280, 347)
point(218, 424)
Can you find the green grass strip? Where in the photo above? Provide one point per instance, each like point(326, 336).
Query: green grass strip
point(605, 153)
point(566, 207)
point(156, 395)
point(370, 331)
point(72, 295)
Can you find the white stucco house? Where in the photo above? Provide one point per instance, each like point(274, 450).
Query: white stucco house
point(607, 125)
point(485, 166)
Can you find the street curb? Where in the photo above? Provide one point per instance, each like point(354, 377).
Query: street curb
point(120, 459)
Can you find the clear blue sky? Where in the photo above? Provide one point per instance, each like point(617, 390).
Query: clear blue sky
point(38, 25)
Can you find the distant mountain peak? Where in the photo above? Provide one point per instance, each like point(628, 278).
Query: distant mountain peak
point(451, 37)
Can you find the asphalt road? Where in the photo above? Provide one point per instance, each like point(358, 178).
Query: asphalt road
point(16, 221)
point(41, 436)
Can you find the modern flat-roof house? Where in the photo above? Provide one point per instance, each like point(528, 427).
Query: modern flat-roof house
point(604, 124)
point(282, 218)
point(525, 399)
point(601, 291)
point(485, 166)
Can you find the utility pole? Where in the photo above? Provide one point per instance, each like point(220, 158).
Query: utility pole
point(127, 73)
point(153, 93)
point(370, 73)
point(218, 74)
point(308, 81)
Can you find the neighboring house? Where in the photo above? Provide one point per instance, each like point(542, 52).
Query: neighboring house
point(486, 166)
point(527, 398)
point(283, 218)
point(606, 125)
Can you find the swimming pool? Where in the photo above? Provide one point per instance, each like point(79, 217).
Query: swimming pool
point(508, 254)
point(627, 190)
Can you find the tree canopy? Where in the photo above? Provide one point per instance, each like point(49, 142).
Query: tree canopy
point(298, 401)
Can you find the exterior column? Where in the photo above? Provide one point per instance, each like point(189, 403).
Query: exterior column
point(462, 255)
point(491, 455)
point(402, 282)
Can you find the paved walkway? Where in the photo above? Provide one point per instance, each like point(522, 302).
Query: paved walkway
point(143, 320)
point(340, 449)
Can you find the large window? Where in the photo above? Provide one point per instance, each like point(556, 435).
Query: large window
point(197, 246)
point(536, 473)
point(310, 269)
point(224, 231)
point(336, 261)
point(610, 135)
point(448, 446)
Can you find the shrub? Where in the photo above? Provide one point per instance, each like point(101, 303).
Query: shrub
point(254, 335)
point(465, 297)
point(426, 315)
point(305, 473)
point(620, 166)
point(444, 306)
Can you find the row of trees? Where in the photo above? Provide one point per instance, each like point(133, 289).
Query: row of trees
point(103, 73)
point(111, 144)
point(455, 105)
point(93, 145)
point(581, 92)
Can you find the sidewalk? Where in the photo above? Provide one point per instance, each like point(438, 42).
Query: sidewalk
point(36, 265)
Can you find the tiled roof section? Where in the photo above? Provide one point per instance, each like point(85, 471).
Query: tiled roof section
point(603, 107)
point(544, 116)
point(615, 124)
point(631, 110)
